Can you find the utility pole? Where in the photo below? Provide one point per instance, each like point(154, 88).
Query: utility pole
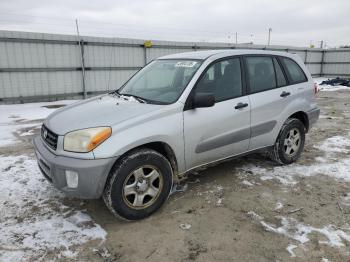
point(251, 39)
point(269, 38)
point(81, 47)
point(236, 38)
point(321, 44)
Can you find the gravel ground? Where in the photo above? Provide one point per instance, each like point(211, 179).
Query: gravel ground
point(247, 209)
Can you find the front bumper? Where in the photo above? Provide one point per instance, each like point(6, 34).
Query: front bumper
point(92, 173)
point(313, 116)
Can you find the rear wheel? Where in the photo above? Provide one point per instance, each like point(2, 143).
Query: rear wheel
point(290, 142)
point(138, 184)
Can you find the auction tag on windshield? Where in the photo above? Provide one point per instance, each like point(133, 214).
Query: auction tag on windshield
point(185, 64)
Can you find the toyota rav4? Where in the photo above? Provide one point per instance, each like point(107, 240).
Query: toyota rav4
point(179, 113)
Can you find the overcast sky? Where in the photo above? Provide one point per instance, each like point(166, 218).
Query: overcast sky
point(294, 22)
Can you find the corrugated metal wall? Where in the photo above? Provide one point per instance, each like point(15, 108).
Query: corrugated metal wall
point(37, 67)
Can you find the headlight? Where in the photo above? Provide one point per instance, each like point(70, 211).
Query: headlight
point(85, 140)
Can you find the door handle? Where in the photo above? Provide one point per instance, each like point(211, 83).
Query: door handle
point(285, 94)
point(241, 105)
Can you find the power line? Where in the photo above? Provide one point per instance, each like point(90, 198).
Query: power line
point(128, 26)
point(93, 28)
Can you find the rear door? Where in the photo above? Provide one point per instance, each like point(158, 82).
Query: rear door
point(223, 130)
point(269, 95)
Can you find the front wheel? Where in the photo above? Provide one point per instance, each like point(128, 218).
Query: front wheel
point(290, 142)
point(138, 184)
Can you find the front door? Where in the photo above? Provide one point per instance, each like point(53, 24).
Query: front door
point(223, 130)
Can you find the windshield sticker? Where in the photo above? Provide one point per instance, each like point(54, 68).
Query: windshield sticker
point(185, 64)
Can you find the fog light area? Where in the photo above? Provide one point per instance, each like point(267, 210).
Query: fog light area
point(72, 179)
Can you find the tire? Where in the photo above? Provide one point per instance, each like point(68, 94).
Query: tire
point(138, 184)
point(285, 152)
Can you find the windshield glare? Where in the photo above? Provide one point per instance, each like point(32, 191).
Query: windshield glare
point(161, 81)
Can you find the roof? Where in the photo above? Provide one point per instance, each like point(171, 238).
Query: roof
point(202, 55)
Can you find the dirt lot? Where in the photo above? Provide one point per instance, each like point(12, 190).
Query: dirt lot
point(243, 210)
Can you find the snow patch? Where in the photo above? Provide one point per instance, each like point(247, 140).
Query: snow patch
point(254, 215)
point(29, 111)
point(247, 183)
point(290, 249)
point(219, 203)
point(331, 164)
point(16, 117)
point(299, 232)
point(185, 226)
point(335, 144)
point(288, 175)
point(328, 88)
point(33, 219)
point(278, 206)
point(219, 188)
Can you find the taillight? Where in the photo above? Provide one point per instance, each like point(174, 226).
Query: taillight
point(316, 88)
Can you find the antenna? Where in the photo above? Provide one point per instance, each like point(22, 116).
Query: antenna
point(112, 60)
point(82, 58)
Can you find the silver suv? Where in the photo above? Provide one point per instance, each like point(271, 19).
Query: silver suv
point(178, 113)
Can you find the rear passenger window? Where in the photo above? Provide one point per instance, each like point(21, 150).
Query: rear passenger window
point(295, 72)
point(281, 80)
point(261, 73)
point(223, 79)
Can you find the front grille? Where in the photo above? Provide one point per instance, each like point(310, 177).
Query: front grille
point(49, 137)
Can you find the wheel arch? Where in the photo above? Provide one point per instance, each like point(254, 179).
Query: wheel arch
point(164, 149)
point(160, 147)
point(303, 117)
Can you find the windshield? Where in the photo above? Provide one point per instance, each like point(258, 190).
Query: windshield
point(161, 81)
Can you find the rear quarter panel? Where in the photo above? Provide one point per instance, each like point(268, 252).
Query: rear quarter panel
point(303, 97)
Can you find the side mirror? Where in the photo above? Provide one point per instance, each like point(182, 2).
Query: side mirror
point(203, 100)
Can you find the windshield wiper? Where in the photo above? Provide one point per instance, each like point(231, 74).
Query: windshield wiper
point(138, 98)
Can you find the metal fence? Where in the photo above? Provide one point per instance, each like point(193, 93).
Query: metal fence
point(38, 67)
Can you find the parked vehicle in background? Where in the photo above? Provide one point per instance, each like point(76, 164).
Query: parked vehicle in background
point(179, 113)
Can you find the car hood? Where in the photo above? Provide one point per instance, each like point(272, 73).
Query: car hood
point(105, 110)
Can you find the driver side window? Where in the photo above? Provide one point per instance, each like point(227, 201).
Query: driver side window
point(222, 79)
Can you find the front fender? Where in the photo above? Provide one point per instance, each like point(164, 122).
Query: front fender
point(167, 129)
